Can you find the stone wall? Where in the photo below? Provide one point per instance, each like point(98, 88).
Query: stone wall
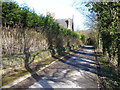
point(11, 62)
point(18, 60)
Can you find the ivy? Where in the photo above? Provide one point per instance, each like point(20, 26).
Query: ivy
point(108, 21)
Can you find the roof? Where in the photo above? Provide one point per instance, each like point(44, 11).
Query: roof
point(64, 23)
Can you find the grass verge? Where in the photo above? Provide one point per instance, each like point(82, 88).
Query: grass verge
point(20, 73)
point(108, 75)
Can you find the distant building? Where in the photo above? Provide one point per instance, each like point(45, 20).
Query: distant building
point(66, 23)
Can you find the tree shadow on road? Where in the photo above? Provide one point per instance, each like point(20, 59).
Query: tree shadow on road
point(77, 64)
point(81, 61)
point(77, 58)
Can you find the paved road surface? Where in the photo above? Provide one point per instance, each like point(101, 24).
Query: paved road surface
point(79, 71)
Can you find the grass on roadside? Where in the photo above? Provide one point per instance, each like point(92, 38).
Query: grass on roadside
point(109, 76)
point(11, 78)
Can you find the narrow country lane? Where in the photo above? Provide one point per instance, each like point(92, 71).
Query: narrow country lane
point(79, 71)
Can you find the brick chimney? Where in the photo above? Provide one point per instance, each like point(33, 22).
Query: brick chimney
point(47, 13)
point(69, 23)
point(53, 16)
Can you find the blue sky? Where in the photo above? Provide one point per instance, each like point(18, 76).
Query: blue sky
point(61, 8)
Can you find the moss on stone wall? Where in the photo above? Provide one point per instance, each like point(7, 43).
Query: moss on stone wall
point(18, 60)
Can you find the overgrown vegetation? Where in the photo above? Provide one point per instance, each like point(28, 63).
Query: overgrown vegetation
point(84, 35)
point(109, 78)
point(108, 29)
point(15, 16)
point(24, 30)
point(93, 38)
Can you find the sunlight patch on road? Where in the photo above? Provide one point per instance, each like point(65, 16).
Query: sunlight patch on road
point(51, 84)
point(87, 60)
point(89, 51)
point(77, 72)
